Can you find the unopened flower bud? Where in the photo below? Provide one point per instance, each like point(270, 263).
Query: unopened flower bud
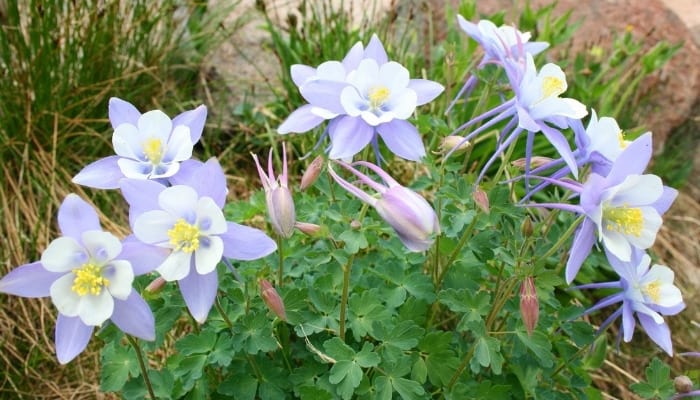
point(529, 304)
point(413, 219)
point(156, 285)
point(308, 228)
point(481, 199)
point(311, 173)
point(280, 206)
point(355, 224)
point(454, 142)
point(683, 384)
point(535, 161)
point(272, 299)
point(526, 227)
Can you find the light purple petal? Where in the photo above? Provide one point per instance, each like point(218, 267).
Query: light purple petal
point(194, 119)
point(659, 333)
point(375, 50)
point(209, 180)
point(29, 280)
point(426, 90)
point(199, 292)
point(142, 196)
point(144, 258)
point(101, 174)
point(349, 136)
point(76, 216)
point(558, 140)
point(632, 161)
point(324, 94)
point(526, 122)
point(627, 322)
point(666, 200)
point(186, 172)
point(403, 139)
point(301, 120)
point(72, 336)
point(580, 248)
point(245, 243)
point(121, 112)
point(301, 73)
point(353, 57)
point(133, 316)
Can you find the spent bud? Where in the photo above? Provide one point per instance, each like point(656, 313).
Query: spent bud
point(529, 304)
point(272, 299)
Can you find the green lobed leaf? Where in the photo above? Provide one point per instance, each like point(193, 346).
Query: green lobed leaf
point(658, 385)
point(118, 364)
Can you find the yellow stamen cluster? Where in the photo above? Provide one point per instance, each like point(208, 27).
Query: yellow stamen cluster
point(621, 140)
point(629, 221)
point(377, 96)
point(184, 236)
point(552, 87)
point(653, 290)
point(88, 280)
point(153, 149)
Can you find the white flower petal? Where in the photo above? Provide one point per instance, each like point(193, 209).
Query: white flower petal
point(155, 125)
point(394, 76)
point(176, 266)
point(638, 190)
point(210, 218)
point(179, 147)
point(134, 169)
point(152, 226)
point(352, 102)
point(365, 76)
point(63, 254)
point(102, 246)
point(403, 104)
point(208, 255)
point(331, 71)
point(120, 275)
point(94, 310)
point(63, 297)
point(127, 142)
point(180, 201)
point(617, 244)
point(652, 224)
point(165, 170)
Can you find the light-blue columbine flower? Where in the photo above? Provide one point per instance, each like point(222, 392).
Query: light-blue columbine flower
point(147, 146)
point(364, 97)
point(88, 274)
point(647, 292)
point(186, 219)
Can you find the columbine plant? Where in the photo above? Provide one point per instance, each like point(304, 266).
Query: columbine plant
point(88, 274)
point(147, 146)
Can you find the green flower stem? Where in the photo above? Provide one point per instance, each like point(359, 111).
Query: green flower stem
point(504, 162)
point(462, 366)
point(142, 365)
point(453, 256)
point(344, 297)
point(280, 268)
point(563, 238)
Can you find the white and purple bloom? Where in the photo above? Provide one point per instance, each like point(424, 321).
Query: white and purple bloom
point(88, 274)
point(648, 293)
point(411, 216)
point(535, 108)
point(280, 205)
point(499, 44)
point(187, 220)
point(622, 210)
point(364, 97)
point(147, 146)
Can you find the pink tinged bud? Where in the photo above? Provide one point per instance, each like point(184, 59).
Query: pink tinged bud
point(683, 384)
point(156, 285)
point(311, 173)
point(272, 299)
point(454, 143)
point(355, 224)
point(280, 205)
point(308, 228)
point(413, 219)
point(535, 161)
point(529, 304)
point(481, 199)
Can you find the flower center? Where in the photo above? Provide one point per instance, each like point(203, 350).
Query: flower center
point(378, 95)
point(88, 280)
point(153, 149)
point(552, 87)
point(625, 220)
point(184, 236)
point(653, 291)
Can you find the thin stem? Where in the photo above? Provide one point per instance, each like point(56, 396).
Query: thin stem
point(280, 268)
point(462, 241)
point(344, 297)
point(142, 365)
point(462, 366)
point(563, 237)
